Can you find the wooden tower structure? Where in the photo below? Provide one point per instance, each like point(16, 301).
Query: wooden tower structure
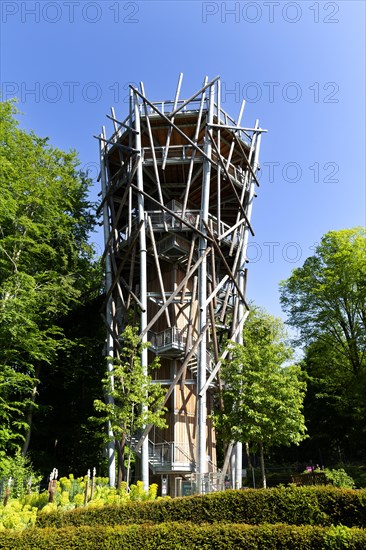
point(178, 182)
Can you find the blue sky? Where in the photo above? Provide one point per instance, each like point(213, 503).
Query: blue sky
point(300, 66)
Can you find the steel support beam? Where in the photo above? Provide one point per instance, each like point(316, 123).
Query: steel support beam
point(202, 297)
point(143, 279)
point(108, 314)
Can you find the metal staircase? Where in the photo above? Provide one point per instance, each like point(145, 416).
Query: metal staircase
point(165, 456)
point(172, 342)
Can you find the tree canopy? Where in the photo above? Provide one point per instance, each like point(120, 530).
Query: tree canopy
point(46, 263)
point(136, 401)
point(263, 398)
point(326, 297)
point(326, 302)
point(334, 406)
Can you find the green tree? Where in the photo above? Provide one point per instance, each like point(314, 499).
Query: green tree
point(137, 400)
point(326, 297)
point(45, 265)
point(13, 387)
point(326, 302)
point(263, 399)
point(334, 407)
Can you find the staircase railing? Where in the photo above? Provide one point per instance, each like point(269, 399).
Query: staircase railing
point(165, 453)
point(171, 337)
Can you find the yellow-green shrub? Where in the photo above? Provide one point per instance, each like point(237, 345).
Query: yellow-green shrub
point(38, 500)
point(17, 516)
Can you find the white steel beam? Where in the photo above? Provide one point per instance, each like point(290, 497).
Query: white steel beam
point(202, 297)
point(143, 280)
point(109, 319)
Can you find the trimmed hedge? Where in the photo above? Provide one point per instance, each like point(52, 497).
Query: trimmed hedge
point(291, 505)
point(177, 536)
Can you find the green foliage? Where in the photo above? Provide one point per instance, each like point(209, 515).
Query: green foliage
point(327, 296)
point(134, 399)
point(15, 388)
point(320, 505)
point(17, 516)
point(70, 494)
point(61, 430)
point(339, 478)
point(131, 388)
point(179, 536)
point(334, 406)
point(293, 517)
point(22, 512)
point(339, 536)
point(45, 264)
point(326, 303)
point(21, 472)
point(263, 399)
point(36, 500)
point(358, 473)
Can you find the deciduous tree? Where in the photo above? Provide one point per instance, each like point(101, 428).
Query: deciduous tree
point(136, 399)
point(263, 398)
point(326, 297)
point(45, 263)
point(326, 302)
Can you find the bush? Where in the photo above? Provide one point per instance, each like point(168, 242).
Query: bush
point(17, 516)
point(70, 494)
point(339, 478)
point(322, 505)
point(22, 512)
point(20, 470)
point(37, 500)
point(178, 536)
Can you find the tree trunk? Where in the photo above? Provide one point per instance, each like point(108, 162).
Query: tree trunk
point(227, 459)
point(247, 452)
point(263, 471)
point(221, 399)
point(30, 412)
point(121, 461)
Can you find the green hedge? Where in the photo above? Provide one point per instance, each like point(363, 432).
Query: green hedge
point(291, 505)
point(178, 536)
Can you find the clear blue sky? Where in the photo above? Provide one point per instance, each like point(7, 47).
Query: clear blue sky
point(300, 65)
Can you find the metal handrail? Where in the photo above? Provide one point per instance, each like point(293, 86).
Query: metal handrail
point(167, 106)
point(172, 149)
point(171, 335)
point(232, 169)
point(174, 337)
point(163, 220)
point(165, 452)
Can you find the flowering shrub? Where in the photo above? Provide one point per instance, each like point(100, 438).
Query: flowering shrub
point(17, 516)
point(70, 493)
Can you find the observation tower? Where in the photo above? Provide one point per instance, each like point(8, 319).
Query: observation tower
point(178, 183)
